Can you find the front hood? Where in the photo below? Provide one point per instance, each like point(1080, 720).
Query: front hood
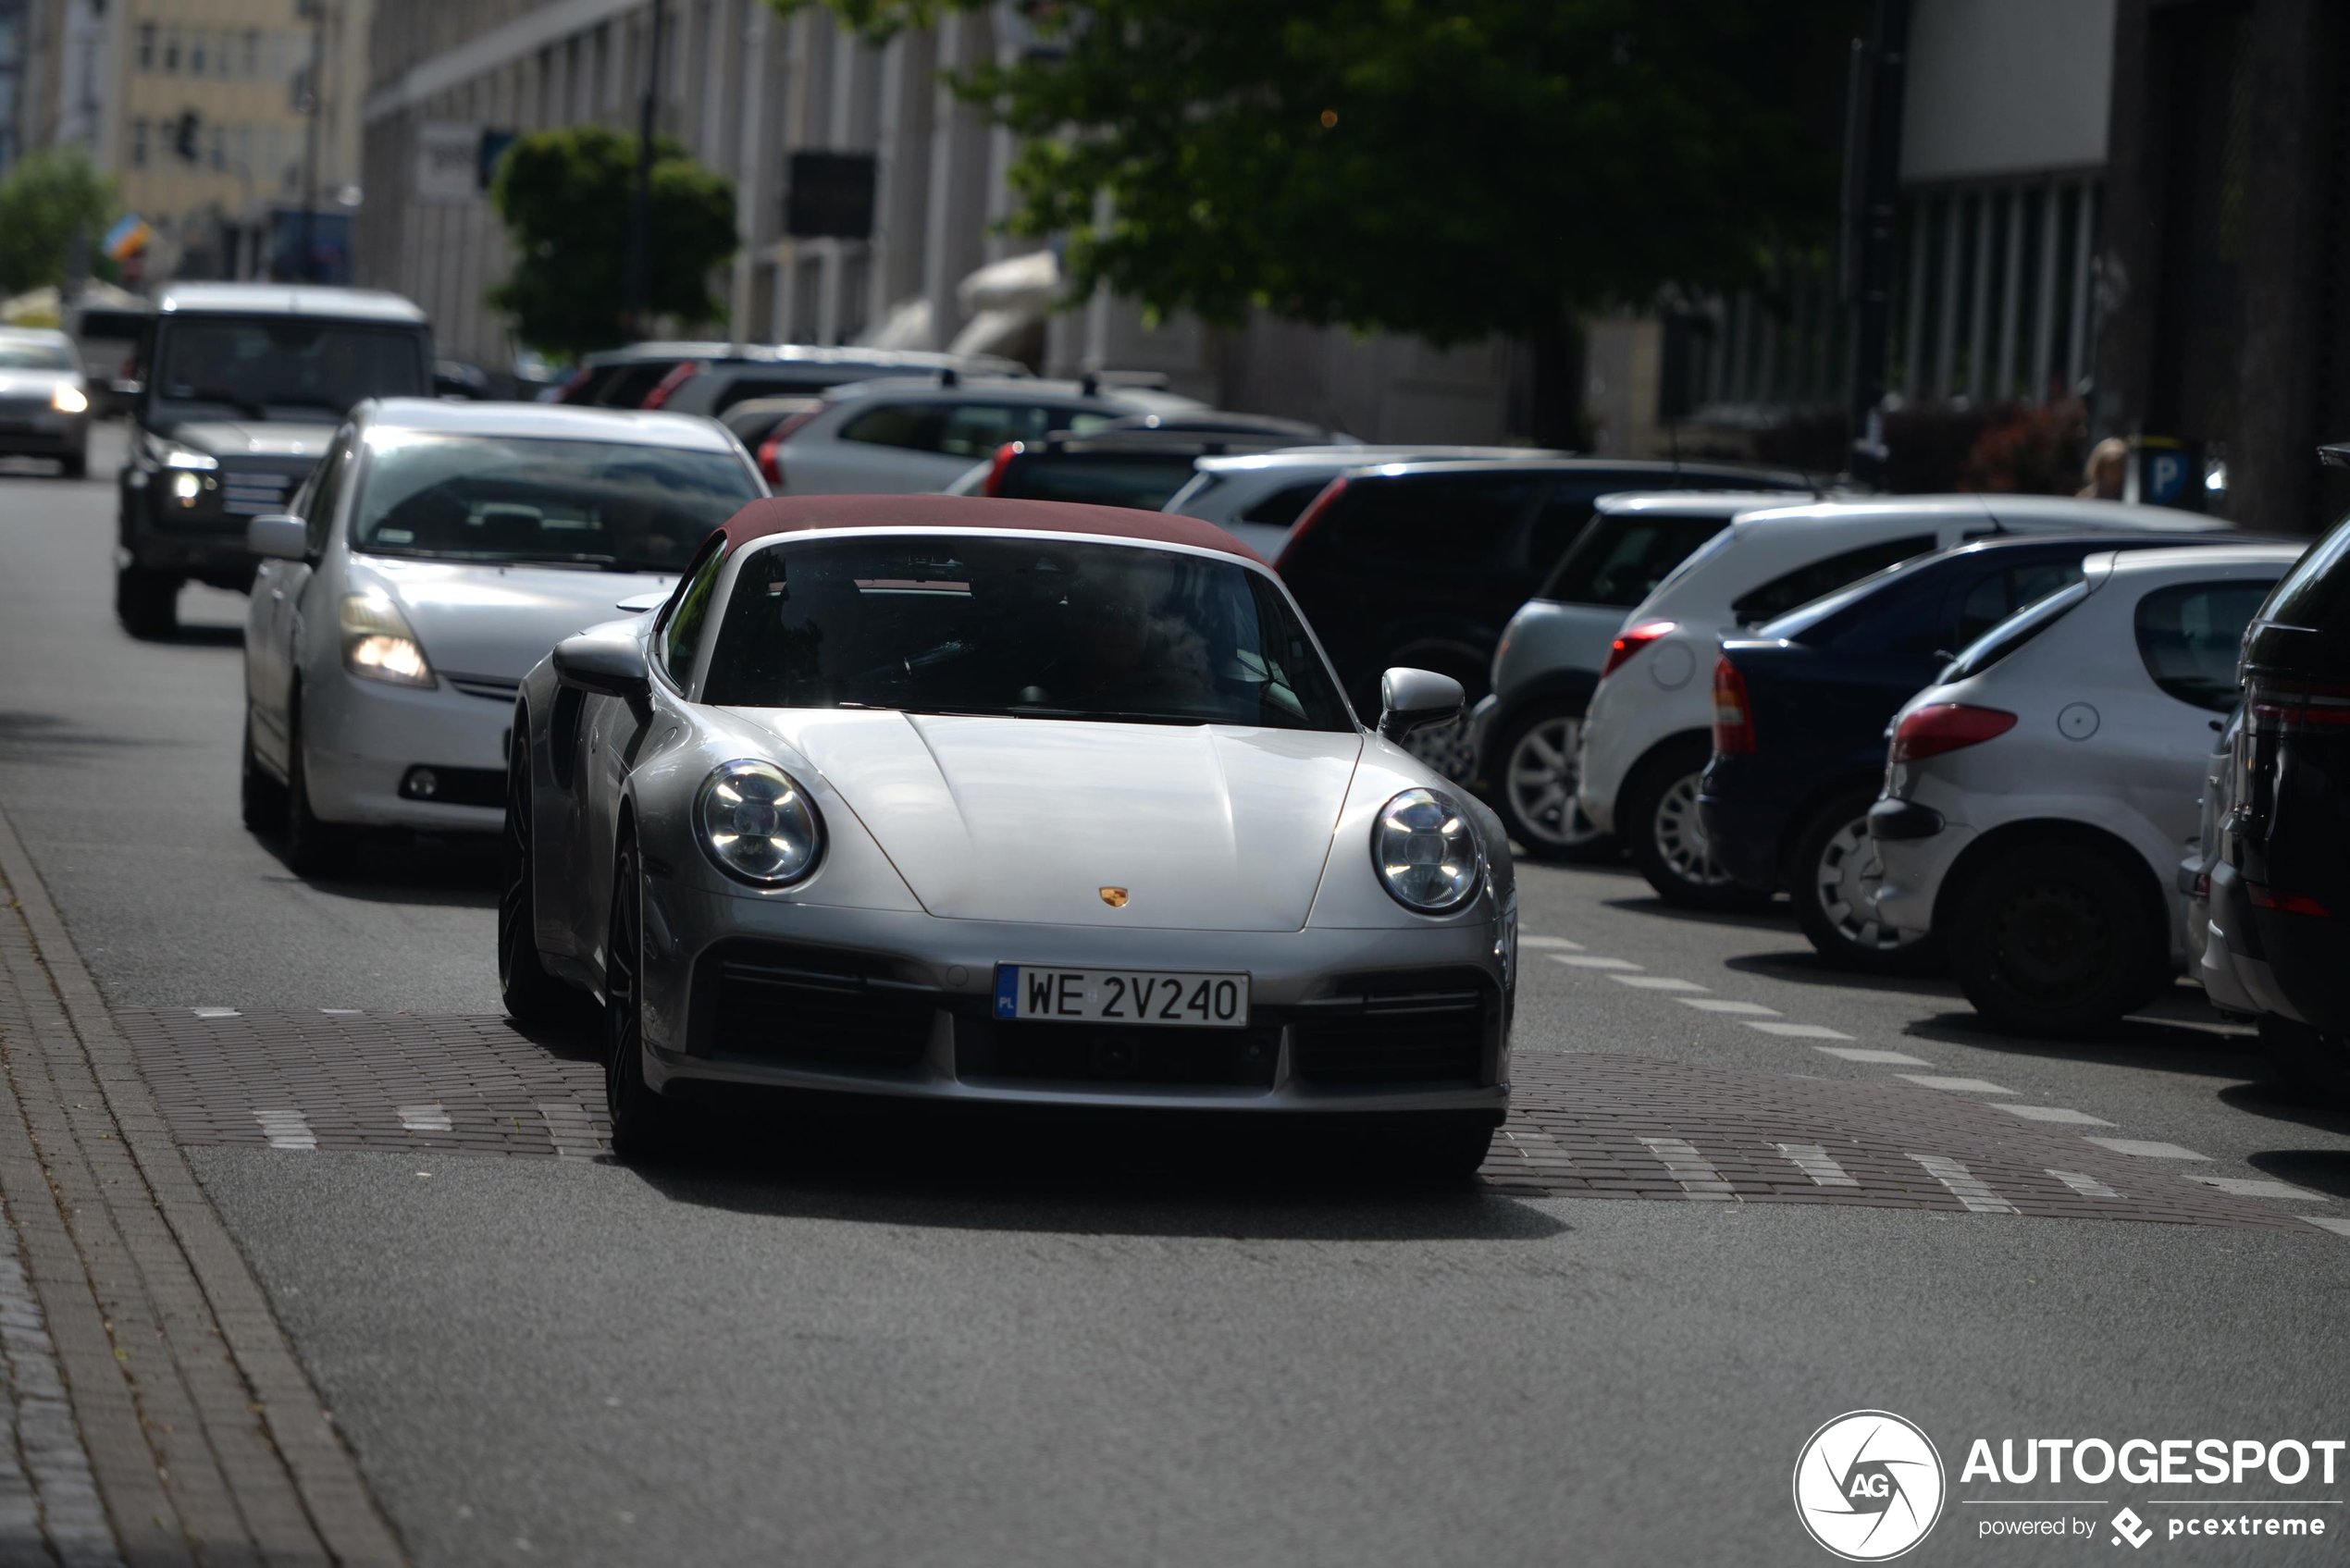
point(253, 437)
point(1207, 828)
point(497, 621)
point(41, 383)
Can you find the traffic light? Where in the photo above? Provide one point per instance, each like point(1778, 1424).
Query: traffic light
point(183, 135)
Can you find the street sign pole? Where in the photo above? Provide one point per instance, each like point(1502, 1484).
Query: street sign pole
point(1873, 234)
point(641, 200)
point(304, 264)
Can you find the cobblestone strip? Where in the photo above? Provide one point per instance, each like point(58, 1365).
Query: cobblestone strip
point(206, 1434)
point(47, 1491)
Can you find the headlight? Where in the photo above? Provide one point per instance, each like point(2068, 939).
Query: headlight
point(1426, 852)
point(70, 399)
point(171, 454)
point(377, 645)
point(756, 825)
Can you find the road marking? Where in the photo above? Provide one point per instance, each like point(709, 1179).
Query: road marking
point(2052, 1112)
point(215, 1012)
point(570, 1128)
point(1870, 1053)
point(286, 1129)
point(1692, 1170)
point(2087, 1186)
point(1954, 1085)
point(1559, 941)
point(1964, 1185)
point(341, 1012)
point(1536, 1148)
point(2243, 1187)
point(425, 1118)
point(1798, 1030)
point(1655, 983)
point(2332, 1222)
point(2145, 1149)
point(1719, 1005)
point(1813, 1161)
point(1592, 963)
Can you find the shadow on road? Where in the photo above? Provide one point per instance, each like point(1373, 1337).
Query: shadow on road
point(2320, 1170)
point(444, 872)
point(25, 738)
point(2203, 1050)
point(2282, 1102)
point(1804, 967)
point(1776, 918)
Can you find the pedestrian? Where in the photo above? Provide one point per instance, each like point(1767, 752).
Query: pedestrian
point(2108, 467)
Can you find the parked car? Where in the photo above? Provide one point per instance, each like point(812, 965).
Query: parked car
point(2209, 958)
point(1421, 563)
point(2281, 886)
point(106, 325)
point(239, 387)
point(436, 555)
point(1259, 497)
point(712, 385)
point(1120, 465)
point(906, 434)
point(1648, 732)
point(2037, 795)
point(1524, 737)
point(914, 865)
point(755, 419)
point(44, 399)
point(1800, 709)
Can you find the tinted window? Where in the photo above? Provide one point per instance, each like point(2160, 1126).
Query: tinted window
point(2188, 636)
point(2000, 594)
point(2014, 632)
point(914, 427)
point(746, 388)
point(1046, 629)
point(264, 368)
point(323, 494)
point(1561, 518)
point(975, 430)
point(1804, 583)
point(1143, 479)
point(1285, 505)
point(1441, 522)
point(629, 384)
point(1621, 558)
point(2315, 593)
point(681, 639)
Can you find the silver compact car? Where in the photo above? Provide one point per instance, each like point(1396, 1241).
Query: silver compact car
point(44, 399)
point(991, 801)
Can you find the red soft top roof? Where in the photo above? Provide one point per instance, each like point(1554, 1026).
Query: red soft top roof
point(793, 514)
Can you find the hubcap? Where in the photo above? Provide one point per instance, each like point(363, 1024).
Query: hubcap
point(1680, 837)
point(1540, 776)
point(2051, 944)
point(1846, 881)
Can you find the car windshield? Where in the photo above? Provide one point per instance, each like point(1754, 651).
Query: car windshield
point(21, 354)
point(1030, 628)
point(507, 497)
point(287, 368)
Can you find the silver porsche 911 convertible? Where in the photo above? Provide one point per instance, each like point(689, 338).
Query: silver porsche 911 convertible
point(996, 800)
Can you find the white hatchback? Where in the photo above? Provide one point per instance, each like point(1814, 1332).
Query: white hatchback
point(2037, 796)
point(434, 555)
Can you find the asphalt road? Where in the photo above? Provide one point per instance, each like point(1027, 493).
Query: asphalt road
point(973, 1344)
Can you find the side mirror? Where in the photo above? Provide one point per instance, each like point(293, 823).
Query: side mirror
point(637, 604)
point(128, 388)
point(275, 537)
point(607, 666)
point(1413, 699)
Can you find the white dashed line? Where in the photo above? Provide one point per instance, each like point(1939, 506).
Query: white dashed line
point(1798, 1030)
point(1558, 941)
point(1692, 1170)
point(425, 1118)
point(215, 1012)
point(341, 1012)
point(1964, 1185)
point(2335, 1223)
point(1655, 983)
point(1588, 962)
point(1813, 1161)
point(1872, 1054)
point(2145, 1149)
point(2087, 1186)
point(1954, 1085)
point(2053, 1113)
point(2245, 1187)
point(1536, 1148)
point(1718, 1004)
point(286, 1129)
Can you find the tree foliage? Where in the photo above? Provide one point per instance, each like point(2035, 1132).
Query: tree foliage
point(49, 199)
point(564, 196)
point(1446, 168)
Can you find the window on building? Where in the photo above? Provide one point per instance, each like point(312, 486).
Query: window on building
point(197, 54)
point(253, 52)
point(138, 143)
point(146, 46)
point(219, 153)
point(171, 53)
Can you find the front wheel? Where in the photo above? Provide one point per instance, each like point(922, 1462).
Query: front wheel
point(1835, 879)
point(530, 993)
point(1658, 816)
point(2053, 938)
point(1538, 770)
point(644, 1125)
point(313, 847)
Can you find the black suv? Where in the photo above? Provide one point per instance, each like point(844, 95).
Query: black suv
point(237, 390)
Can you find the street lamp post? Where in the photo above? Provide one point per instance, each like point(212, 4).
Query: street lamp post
point(641, 200)
point(316, 10)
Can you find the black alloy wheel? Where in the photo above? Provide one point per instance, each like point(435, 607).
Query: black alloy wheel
point(2051, 939)
point(313, 848)
point(1833, 880)
point(1657, 817)
point(1535, 772)
point(644, 1125)
point(531, 995)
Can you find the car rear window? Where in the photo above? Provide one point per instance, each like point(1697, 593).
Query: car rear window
point(1807, 582)
point(1285, 505)
point(1141, 480)
point(2188, 634)
point(1621, 557)
point(2013, 633)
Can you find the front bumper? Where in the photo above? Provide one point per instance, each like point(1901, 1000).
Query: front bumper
point(1915, 857)
point(746, 991)
point(362, 739)
point(60, 436)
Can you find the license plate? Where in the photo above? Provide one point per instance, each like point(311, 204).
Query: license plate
point(1142, 996)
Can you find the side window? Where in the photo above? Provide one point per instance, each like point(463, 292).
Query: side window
point(915, 426)
point(975, 430)
point(1560, 521)
point(1445, 524)
point(1285, 505)
point(1805, 584)
point(681, 638)
point(2188, 636)
point(2001, 594)
point(323, 492)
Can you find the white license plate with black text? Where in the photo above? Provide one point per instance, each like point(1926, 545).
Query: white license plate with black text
point(1140, 996)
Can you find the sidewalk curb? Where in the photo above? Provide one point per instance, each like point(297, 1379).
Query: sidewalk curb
point(123, 1245)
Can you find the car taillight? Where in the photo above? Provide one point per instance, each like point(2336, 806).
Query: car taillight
point(2282, 707)
point(994, 483)
point(1634, 639)
point(771, 450)
point(679, 374)
point(572, 388)
point(2267, 897)
point(1312, 514)
point(1947, 726)
point(1733, 715)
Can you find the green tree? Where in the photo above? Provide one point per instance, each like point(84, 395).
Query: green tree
point(49, 200)
point(1446, 167)
point(564, 196)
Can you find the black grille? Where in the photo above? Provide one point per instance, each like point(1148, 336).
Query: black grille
point(246, 492)
point(812, 1006)
point(1136, 1054)
point(1425, 1028)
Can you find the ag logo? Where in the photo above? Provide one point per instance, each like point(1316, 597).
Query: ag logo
point(1868, 1486)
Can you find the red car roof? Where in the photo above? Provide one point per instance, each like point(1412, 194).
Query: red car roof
point(793, 514)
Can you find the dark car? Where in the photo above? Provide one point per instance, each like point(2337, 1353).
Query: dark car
point(1421, 563)
point(710, 379)
point(1800, 710)
point(2280, 886)
point(1128, 462)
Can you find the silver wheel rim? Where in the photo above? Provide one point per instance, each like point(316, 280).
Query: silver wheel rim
point(1845, 881)
point(1541, 775)
point(1680, 837)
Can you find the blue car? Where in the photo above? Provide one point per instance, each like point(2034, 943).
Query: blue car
point(1800, 710)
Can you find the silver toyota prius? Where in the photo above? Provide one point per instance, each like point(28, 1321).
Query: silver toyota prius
point(992, 800)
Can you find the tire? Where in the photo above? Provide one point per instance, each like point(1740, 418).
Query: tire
point(75, 465)
point(645, 1126)
point(1656, 817)
point(1535, 774)
point(261, 800)
point(1831, 880)
point(531, 995)
point(2301, 1059)
point(2054, 940)
point(313, 847)
point(147, 604)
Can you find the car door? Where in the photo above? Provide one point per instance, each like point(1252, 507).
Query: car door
point(278, 591)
